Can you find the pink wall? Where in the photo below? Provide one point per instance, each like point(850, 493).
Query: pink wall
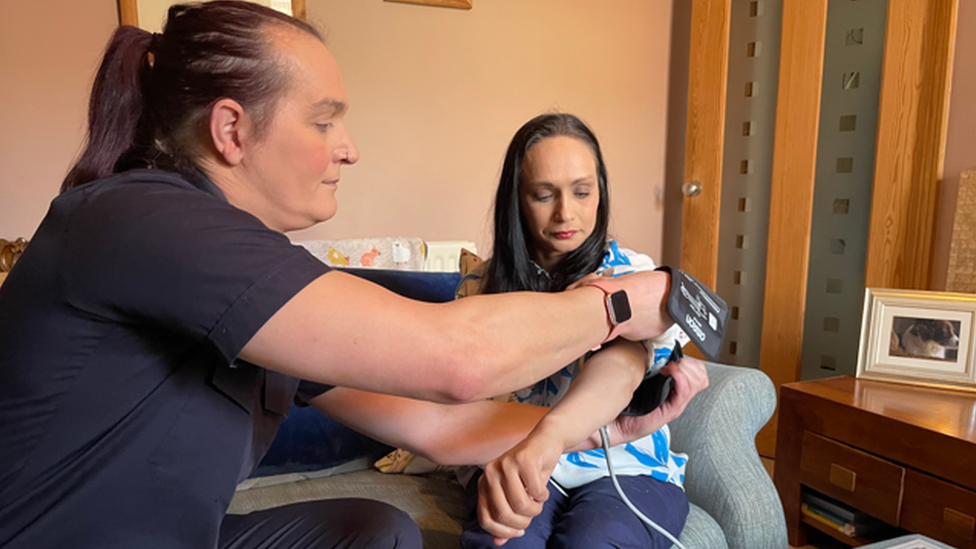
point(49, 52)
point(960, 152)
point(435, 93)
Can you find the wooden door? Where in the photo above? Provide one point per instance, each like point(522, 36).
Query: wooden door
point(790, 204)
point(707, 77)
point(791, 197)
point(911, 130)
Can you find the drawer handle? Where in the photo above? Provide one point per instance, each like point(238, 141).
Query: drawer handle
point(842, 477)
point(958, 524)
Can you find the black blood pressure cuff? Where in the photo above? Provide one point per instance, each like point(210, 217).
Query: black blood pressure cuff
point(703, 316)
point(699, 311)
point(653, 390)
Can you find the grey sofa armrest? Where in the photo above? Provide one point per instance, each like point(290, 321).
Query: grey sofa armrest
point(725, 476)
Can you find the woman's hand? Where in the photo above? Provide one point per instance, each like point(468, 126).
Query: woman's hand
point(690, 378)
point(513, 488)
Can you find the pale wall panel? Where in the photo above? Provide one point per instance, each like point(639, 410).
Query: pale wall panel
point(436, 94)
point(49, 52)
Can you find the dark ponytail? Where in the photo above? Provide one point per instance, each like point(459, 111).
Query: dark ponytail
point(511, 267)
point(150, 109)
point(115, 106)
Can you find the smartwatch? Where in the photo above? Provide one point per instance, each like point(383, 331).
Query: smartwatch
point(618, 306)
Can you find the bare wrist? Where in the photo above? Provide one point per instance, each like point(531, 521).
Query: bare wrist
point(554, 429)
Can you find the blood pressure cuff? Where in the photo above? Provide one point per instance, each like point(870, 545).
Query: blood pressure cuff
point(703, 316)
point(654, 389)
point(699, 311)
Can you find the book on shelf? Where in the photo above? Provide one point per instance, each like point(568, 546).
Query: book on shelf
point(866, 525)
point(837, 508)
point(845, 528)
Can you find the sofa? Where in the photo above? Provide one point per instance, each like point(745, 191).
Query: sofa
point(733, 501)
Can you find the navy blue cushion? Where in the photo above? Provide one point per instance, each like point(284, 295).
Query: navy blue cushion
point(419, 285)
point(309, 440)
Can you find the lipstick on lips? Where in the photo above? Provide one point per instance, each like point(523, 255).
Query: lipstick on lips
point(564, 235)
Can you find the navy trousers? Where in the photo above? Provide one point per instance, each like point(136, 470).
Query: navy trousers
point(327, 524)
point(593, 516)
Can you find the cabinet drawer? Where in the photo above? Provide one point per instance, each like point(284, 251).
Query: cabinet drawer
point(940, 510)
point(861, 480)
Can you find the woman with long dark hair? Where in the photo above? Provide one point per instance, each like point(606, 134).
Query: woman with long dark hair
point(551, 219)
point(156, 328)
point(513, 267)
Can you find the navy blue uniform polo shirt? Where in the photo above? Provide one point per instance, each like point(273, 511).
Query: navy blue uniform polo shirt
point(126, 419)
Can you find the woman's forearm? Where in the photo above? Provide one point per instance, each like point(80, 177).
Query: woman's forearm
point(477, 432)
point(602, 389)
point(462, 434)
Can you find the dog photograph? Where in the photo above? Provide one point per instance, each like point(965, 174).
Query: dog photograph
point(918, 337)
point(929, 338)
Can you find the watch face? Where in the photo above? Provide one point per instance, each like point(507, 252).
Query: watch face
point(619, 307)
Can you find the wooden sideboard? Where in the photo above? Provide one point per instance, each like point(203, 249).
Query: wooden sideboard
point(900, 453)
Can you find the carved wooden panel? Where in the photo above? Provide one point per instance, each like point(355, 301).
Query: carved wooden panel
point(9, 253)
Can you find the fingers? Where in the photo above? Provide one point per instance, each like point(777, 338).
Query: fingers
point(690, 377)
point(697, 373)
point(537, 489)
point(690, 370)
point(494, 513)
point(507, 502)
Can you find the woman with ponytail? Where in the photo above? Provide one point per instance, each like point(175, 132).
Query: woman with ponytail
point(160, 323)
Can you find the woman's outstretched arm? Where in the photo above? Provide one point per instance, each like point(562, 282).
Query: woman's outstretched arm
point(475, 432)
point(345, 331)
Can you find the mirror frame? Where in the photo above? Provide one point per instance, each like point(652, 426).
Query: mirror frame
point(129, 11)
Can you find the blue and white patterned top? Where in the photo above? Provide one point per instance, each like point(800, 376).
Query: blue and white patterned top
point(650, 455)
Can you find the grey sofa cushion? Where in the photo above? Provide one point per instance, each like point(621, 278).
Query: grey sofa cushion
point(435, 502)
point(725, 475)
point(701, 531)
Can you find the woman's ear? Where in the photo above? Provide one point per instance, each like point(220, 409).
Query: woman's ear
point(228, 129)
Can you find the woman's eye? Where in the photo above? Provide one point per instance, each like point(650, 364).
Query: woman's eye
point(324, 127)
point(582, 194)
point(543, 197)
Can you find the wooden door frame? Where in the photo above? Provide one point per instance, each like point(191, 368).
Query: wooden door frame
point(914, 115)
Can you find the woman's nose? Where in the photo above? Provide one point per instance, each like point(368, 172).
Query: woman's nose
point(353, 156)
point(347, 153)
point(563, 210)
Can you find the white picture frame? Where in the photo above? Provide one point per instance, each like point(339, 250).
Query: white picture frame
point(904, 339)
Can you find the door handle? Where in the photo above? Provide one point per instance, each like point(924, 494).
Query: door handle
point(691, 188)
